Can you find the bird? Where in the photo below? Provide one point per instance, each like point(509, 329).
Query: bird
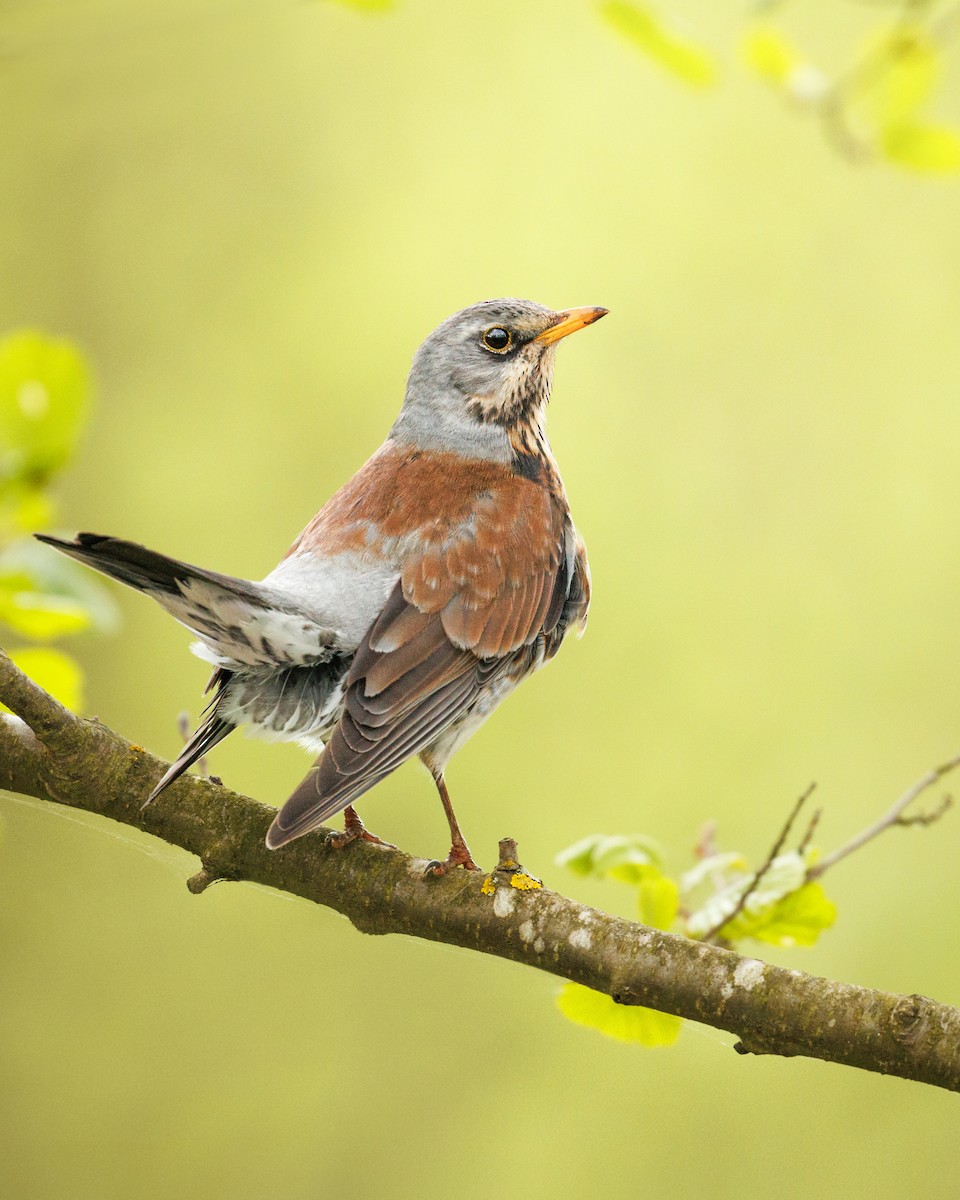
point(441, 575)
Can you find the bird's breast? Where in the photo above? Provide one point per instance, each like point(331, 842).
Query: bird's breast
point(462, 534)
point(403, 491)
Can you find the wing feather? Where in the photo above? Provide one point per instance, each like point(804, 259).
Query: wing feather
point(472, 601)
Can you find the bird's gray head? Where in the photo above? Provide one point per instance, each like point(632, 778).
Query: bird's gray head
point(485, 373)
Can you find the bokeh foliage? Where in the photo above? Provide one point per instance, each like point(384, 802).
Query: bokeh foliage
point(44, 406)
point(876, 105)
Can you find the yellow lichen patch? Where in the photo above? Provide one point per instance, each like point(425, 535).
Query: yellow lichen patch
point(524, 882)
point(137, 749)
point(489, 886)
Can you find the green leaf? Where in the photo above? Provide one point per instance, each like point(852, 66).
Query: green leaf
point(626, 1023)
point(934, 148)
point(44, 398)
point(708, 866)
point(54, 671)
point(768, 54)
point(669, 49)
point(624, 858)
point(795, 920)
point(36, 615)
point(907, 67)
point(785, 874)
point(630, 872)
point(782, 908)
point(45, 595)
point(23, 508)
point(659, 898)
point(895, 80)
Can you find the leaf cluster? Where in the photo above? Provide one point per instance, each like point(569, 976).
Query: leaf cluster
point(45, 397)
point(719, 899)
point(878, 106)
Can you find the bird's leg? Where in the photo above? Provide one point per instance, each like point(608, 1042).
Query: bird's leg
point(354, 830)
point(459, 855)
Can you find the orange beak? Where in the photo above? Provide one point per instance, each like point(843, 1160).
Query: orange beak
point(570, 321)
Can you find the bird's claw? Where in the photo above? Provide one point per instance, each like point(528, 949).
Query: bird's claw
point(354, 830)
point(458, 857)
point(337, 841)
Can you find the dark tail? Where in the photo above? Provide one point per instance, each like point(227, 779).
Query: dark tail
point(160, 577)
point(141, 568)
point(209, 732)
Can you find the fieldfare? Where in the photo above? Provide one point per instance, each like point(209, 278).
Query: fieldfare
point(441, 575)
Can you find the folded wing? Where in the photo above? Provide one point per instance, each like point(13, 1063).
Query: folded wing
point(471, 604)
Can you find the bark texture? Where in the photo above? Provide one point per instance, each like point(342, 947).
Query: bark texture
point(47, 752)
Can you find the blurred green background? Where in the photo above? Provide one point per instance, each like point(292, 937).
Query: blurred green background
point(249, 213)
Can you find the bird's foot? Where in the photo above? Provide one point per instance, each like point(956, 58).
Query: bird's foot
point(459, 856)
point(354, 830)
point(338, 840)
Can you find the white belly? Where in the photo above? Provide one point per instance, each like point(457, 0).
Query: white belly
point(345, 592)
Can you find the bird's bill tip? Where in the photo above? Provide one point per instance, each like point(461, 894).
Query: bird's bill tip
point(569, 321)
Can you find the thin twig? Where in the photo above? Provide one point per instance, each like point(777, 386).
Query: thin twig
point(811, 829)
point(183, 728)
point(765, 867)
point(893, 817)
point(706, 847)
point(928, 818)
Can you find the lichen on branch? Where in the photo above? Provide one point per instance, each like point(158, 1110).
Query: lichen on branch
point(47, 752)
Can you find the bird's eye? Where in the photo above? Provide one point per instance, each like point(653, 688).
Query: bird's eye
point(497, 339)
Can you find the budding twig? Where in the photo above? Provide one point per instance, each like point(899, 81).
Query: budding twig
point(894, 817)
point(767, 864)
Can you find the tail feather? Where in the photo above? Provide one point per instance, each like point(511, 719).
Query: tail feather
point(211, 731)
point(238, 622)
point(144, 569)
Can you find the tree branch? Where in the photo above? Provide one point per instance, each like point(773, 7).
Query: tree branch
point(83, 764)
